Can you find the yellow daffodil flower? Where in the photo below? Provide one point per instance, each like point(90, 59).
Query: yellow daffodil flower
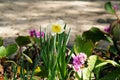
point(58, 27)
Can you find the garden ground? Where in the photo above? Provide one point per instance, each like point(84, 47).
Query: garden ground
point(17, 17)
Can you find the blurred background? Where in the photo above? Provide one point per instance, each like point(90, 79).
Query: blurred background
point(17, 17)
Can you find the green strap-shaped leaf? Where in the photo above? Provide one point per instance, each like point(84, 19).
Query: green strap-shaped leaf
point(109, 8)
point(106, 62)
point(27, 58)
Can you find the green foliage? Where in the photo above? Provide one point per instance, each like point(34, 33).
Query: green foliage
point(22, 40)
point(115, 30)
point(3, 52)
point(12, 48)
point(27, 58)
point(113, 75)
point(94, 34)
point(82, 45)
point(92, 62)
point(53, 54)
point(88, 71)
point(7, 51)
point(109, 8)
point(113, 50)
point(107, 62)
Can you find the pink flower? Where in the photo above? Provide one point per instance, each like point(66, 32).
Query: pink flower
point(107, 29)
point(38, 34)
point(115, 7)
point(78, 61)
point(32, 32)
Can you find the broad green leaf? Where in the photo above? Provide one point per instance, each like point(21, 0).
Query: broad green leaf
point(22, 40)
point(113, 50)
point(1, 41)
point(11, 49)
point(94, 34)
point(82, 45)
point(3, 52)
point(109, 8)
point(87, 75)
point(116, 31)
point(92, 62)
point(27, 58)
point(88, 72)
point(113, 75)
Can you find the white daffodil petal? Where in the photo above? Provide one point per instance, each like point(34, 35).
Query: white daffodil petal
point(61, 22)
point(57, 27)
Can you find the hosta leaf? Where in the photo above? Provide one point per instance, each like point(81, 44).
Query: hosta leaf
point(22, 40)
point(82, 45)
point(91, 62)
point(1, 41)
point(11, 49)
point(88, 72)
point(94, 34)
point(109, 8)
point(3, 52)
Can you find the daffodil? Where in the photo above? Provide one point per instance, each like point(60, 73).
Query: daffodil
point(19, 68)
point(37, 70)
point(58, 27)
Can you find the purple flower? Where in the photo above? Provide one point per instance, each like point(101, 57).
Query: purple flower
point(115, 7)
point(32, 32)
point(107, 29)
point(78, 61)
point(38, 34)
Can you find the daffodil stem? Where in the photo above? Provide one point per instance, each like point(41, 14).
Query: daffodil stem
point(55, 44)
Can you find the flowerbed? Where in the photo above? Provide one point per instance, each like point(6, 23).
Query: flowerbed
point(95, 54)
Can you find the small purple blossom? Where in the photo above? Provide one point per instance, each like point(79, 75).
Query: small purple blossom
point(115, 7)
point(107, 29)
point(34, 33)
point(78, 61)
